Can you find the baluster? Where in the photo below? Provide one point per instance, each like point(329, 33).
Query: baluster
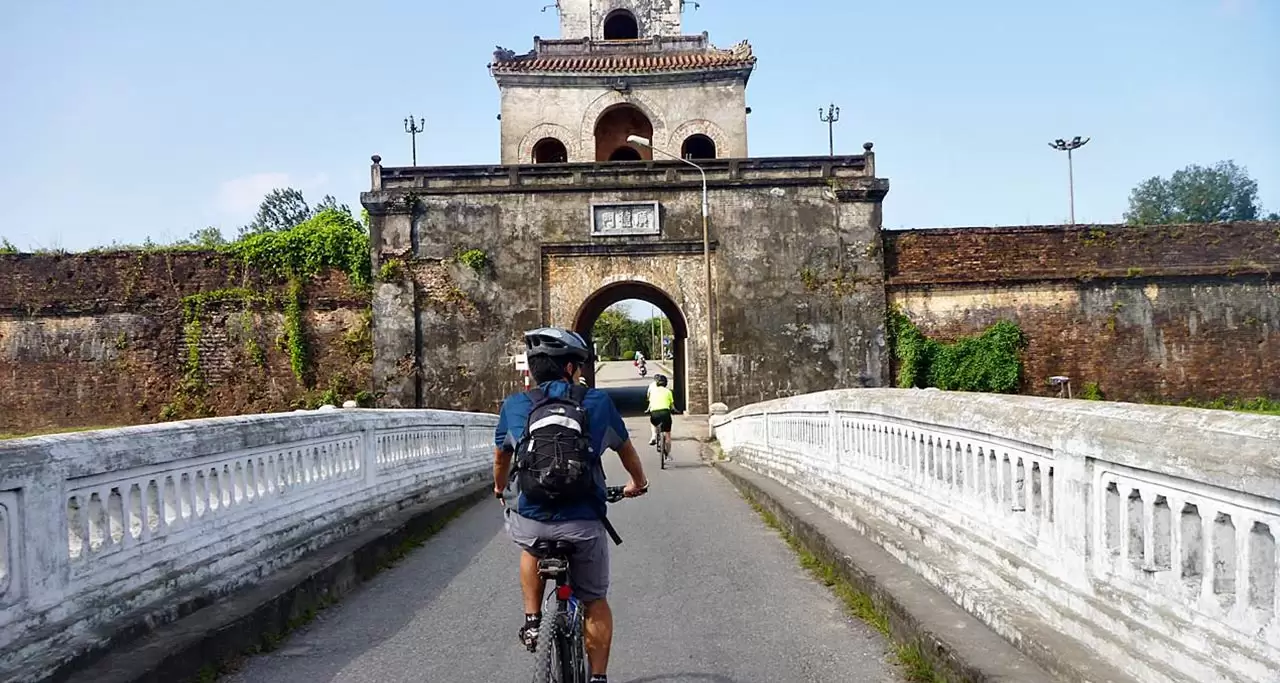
point(1244, 555)
point(1209, 554)
point(1149, 532)
point(1125, 492)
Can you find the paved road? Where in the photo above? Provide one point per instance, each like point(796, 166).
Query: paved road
point(702, 591)
point(625, 386)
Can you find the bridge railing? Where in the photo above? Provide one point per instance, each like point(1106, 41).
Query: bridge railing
point(96, 526)
point(1146, 533)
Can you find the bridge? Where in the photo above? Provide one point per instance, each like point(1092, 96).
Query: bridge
point(983, 537)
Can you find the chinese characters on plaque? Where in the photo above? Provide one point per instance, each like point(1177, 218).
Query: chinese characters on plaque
point(625, 218)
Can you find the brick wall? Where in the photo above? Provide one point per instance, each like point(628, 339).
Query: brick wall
point(98, 339)
point(1169, 312)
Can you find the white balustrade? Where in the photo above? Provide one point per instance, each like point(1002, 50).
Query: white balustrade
point(1147, 533)
point(96, 525)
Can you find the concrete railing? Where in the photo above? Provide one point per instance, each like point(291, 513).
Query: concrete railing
point(1146, 534)
point(101, 529)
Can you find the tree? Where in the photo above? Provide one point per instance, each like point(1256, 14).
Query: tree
point(330, 202)
point(280, 210)
point(1273, 216)
point(610, 331)
point(206, 238)
point(1195, 194)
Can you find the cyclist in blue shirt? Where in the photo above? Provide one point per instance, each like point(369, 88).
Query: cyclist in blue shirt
point(556, 357)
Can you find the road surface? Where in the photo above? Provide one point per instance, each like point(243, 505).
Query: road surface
point(703, 592)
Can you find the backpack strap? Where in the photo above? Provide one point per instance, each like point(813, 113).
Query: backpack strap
point(578, 393)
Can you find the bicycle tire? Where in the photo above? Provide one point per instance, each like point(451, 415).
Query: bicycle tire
point(575, 654)
point(548, 667)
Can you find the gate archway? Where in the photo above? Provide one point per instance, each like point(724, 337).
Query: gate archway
point(606, 296)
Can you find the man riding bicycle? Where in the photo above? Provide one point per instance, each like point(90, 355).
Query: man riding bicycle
point(556, 357)
point(661, 402)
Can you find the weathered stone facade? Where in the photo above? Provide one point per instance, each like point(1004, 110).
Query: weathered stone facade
point(797, 293)
point(577, 99)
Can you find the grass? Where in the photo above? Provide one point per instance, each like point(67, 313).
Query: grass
point(916, 667)
point(50, 430)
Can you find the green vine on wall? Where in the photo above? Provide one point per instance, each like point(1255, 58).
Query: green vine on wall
point(988, 362)
point(295, 336)
point(475, 259)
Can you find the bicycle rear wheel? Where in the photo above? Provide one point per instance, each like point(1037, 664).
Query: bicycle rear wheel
point(549, 657)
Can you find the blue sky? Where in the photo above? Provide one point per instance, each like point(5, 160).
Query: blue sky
point(123, 120)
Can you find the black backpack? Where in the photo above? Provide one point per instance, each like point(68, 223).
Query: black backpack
point(554, 462)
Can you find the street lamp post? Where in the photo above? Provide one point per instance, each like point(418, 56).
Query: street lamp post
point(413, 128)
point(1069, 147)
point(706, 261)
point(830, 117)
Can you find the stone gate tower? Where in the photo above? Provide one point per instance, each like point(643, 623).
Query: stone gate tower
point(622, 67)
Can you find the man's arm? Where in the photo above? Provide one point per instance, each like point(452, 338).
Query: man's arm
point(501, 470)
point(639, 483)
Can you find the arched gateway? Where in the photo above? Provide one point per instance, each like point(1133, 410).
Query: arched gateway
point(778, 289)
point(611, 294)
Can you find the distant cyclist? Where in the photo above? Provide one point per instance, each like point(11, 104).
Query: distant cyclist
point(661, 402)
point(556, 491)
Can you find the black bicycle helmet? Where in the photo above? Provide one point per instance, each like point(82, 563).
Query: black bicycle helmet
point(661, 380)
point(556, 343)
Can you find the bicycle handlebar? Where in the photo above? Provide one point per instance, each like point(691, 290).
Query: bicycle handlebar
point(614, 494)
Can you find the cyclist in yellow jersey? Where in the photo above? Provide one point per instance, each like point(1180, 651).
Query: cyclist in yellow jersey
point(661, 402)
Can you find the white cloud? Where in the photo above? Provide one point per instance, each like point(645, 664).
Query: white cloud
point(242, 195)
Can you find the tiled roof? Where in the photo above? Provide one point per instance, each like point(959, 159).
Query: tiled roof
point(629, 63)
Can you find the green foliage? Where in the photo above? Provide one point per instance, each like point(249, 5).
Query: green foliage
point(7, 247)
point(1195, 194)
point(1273, 216)
point(475, 259)
point(1260, 405)
point(295, 336)
point(255, 353)
point(1092, 392)
point(331, 239)
point(281, 209)
point(990, 362)
point(329, 202)
point(620, 337)
point(391, 270)
point(204, 238)
point(810, 279)
point(358, 341)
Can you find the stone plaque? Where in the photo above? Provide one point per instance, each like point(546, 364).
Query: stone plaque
point(625, 218)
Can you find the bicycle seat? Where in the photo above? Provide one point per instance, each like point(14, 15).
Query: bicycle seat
point(552, 549)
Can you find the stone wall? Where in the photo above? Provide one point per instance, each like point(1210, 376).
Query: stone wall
point(798, 281)
point(99, 339)
point(715, 108)
point(1170, 312)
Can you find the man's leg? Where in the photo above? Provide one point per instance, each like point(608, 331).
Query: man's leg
point(653, 433)
point(599, 635)
point(532, 585)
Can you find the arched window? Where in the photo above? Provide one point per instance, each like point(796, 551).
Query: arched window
point(626, 153)
point(698, 147)
point(621, 25)
point(550, 151)
point(614, 126)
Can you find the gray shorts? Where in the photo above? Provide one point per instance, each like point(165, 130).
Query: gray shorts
point(589, 564)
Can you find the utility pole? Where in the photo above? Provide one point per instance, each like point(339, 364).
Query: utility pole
point(1069, 147)
point(413, 128)
point(830, 117)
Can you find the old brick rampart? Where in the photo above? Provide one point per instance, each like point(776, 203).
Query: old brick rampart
point(1167, 312)
point(105, 339)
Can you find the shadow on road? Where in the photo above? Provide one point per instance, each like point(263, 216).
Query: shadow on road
point(685, 676)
